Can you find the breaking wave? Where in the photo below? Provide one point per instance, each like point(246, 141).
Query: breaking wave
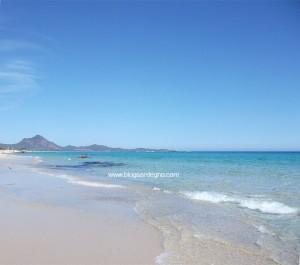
point(264, 206)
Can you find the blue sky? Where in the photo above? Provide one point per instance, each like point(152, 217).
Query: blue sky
point(206, 75)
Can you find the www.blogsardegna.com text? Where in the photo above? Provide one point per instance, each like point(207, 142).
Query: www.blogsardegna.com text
point(143, 174)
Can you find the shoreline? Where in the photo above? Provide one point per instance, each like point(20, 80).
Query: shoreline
point(40, 232)
point(166, 235)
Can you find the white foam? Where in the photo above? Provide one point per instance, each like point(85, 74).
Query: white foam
point(38, 159)
point(156, 189)
point(262, 229)
point(264, 206)
point(66, 177)
point(272, 207)
point(213, 197)
point(94, 184)
point(161, 259)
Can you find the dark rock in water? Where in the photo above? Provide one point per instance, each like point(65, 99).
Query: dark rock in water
point(83, 156)
point(102, 164)
point(90, 164)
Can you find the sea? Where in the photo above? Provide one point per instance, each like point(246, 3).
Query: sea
point(246, 199)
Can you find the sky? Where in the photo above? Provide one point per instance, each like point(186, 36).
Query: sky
point(186, 75)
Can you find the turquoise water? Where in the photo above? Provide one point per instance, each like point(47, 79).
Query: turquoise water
point(233, 188)
point(275, 175)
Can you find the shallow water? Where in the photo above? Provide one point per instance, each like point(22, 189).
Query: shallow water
point(249, 199)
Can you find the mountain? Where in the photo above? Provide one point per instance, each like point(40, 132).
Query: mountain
point(39, 143)
point(93, 147)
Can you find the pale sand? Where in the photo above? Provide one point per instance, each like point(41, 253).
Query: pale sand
point(33, 233)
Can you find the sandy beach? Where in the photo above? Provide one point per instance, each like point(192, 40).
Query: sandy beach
point(40, 233)
point(48, 217)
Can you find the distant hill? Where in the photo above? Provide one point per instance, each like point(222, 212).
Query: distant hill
point(36, 143)
point(39, 143)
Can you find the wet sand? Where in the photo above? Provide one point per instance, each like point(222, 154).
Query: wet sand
point(39, 233)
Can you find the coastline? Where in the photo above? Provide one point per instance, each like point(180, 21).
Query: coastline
point(37, 231)
point(131, 224)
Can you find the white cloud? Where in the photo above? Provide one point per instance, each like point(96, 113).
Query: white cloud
point(17, 76)
point(20, 65)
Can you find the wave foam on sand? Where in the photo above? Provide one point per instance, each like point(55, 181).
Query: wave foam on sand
point(93, 184)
